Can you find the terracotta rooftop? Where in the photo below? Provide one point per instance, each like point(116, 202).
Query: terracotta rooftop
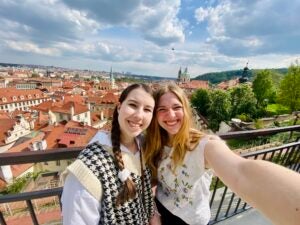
point(23, 147)
point(9, 95)
point(6, 124)
point(66, 108)
point(45, 106)
point(74, 98)
point(195, 84)
point(228, 84)
point(2, 184)
point(4, 115)
point(110, 98)
point(73, 134)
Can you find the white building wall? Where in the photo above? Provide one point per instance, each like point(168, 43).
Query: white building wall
point(6, 174)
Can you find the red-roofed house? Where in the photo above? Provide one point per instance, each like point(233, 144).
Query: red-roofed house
point(228, 84)
point(194, 85)
point(70, 111)
point(12, 99)
point(72, 134)
point(11, 130)
point(108, 101)
point(9, 172)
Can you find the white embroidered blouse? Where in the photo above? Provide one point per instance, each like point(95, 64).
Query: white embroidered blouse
point(185, 192)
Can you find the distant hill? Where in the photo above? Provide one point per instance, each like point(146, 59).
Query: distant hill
point(217, 77)
point(121, 76)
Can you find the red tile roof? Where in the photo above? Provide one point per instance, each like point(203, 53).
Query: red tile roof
point(110, 98)
point(9, 95)
point(228, 84)
point(66, 108)
point(2, 184)
point(4, 115)
point(195, 84)
point(17, 170)
point(73, 134)
point(74, 98)
point(45, 106)
point(6, 124)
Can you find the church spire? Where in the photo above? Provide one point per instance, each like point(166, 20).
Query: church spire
point(111, 78)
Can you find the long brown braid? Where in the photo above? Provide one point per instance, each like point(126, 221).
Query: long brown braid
point(128, 190)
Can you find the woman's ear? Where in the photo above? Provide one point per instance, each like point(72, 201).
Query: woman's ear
point(118, 106)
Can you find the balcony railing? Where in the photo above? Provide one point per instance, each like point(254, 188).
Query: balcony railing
point(224, 203)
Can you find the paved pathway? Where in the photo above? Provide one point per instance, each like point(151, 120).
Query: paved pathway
point(250, 217)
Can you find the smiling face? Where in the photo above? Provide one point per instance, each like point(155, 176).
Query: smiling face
point(170, 113)
point(135, 113)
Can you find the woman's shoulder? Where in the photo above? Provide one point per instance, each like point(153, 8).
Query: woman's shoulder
point(195, 137)
point(199, 139)
point(102, 137)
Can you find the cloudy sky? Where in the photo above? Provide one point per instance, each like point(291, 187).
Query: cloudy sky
point(152, 37)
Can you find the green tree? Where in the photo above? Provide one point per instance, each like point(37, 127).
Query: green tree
point(263, 88)
point(219, 109)
point(201, 100)
point(289, 90)
point(243, 101)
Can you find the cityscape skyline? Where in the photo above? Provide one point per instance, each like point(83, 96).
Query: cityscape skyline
point(150, 37)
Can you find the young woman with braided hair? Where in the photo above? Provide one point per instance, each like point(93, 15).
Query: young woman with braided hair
point(109, 183)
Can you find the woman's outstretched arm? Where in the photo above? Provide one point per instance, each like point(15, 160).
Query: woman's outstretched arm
point(270, 188)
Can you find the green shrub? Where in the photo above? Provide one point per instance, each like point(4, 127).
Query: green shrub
point(259, 124)
point(277, 109)
point(245, 117)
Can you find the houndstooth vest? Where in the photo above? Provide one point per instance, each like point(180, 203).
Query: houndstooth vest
point(133, 212)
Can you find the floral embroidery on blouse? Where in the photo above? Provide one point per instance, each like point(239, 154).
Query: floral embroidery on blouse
point(180, 189)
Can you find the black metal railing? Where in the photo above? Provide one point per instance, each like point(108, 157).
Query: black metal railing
point(224, 203)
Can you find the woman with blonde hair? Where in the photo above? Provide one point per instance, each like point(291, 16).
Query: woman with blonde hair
point(179, 155)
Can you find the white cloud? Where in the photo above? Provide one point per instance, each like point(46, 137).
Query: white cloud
point(33, 48)
point(156, 21)
point(201, 14)
point(139, 35)
point(239, 28)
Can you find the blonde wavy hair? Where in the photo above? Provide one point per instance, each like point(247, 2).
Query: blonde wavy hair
point(156, 137)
